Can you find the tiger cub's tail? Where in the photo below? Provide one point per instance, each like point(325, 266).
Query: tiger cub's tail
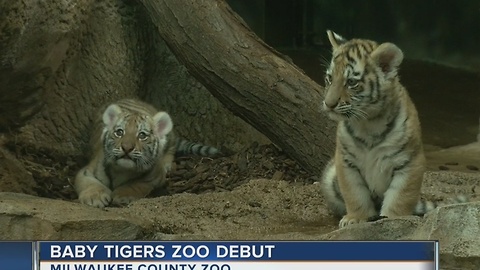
point(185, 148)
point(424, 206)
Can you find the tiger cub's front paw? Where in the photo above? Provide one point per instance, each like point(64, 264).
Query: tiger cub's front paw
point(96, 196)
point(122, 201)
point(349, 220)
point(122, 197)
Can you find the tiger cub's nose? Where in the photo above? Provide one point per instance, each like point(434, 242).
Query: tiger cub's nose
point(330, 105)
point(127, 147)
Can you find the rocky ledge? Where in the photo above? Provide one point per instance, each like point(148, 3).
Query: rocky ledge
point(259, 209)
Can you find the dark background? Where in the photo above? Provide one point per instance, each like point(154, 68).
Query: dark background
point(439, 38)
point(441, 31)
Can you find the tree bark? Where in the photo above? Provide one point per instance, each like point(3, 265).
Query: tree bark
point(62, 60)
point(250, 78)
point(55, 73)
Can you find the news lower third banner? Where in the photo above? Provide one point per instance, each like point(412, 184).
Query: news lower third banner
point(194, 255)
point(255, 255)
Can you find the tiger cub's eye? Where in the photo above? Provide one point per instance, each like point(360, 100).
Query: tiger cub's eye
point(352, 83)
point(118, 133)
point(142, 136)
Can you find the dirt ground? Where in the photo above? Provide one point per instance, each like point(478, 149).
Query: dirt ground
point(54, 178)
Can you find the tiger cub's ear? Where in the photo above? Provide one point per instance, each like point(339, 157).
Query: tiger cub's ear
point(335, 39)
point(388, 57)
point(162, 124)
point(110, 116)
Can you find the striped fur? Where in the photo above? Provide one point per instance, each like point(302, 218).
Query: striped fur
point(379, 162)
point(130, 155)
point(151, 145)
point(425, 206)
point(178, 147)
point(336, 202)
point(185, 148)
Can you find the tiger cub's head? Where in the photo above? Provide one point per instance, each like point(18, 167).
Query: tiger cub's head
point(360, 76)
point(134, 140)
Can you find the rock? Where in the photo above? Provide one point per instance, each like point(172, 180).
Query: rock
point(382, 230)
point(262, 209)
point(25, 217)
point(457, 227)
point(259, 209)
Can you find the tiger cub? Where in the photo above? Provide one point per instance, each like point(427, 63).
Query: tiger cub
point(133, 149)
point(378, 166)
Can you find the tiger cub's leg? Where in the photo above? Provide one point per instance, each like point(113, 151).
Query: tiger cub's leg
point(358, 201)
point(91, 191)
point(168, 158)
point(132, 191)
point(403, 194)
point(331, 190)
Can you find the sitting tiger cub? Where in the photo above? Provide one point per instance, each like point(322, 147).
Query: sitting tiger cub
point(379, 162)
point(133, 148)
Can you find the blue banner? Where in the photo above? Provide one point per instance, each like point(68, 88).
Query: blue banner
point(238, 251)
point(16, 255)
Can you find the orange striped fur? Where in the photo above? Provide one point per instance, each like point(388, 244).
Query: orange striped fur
point(134, 147)
point(379, 162)
point(131, 153)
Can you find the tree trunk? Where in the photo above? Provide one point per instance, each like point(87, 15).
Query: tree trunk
point(92, 53)
point(61, 60)
point(250, 78)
